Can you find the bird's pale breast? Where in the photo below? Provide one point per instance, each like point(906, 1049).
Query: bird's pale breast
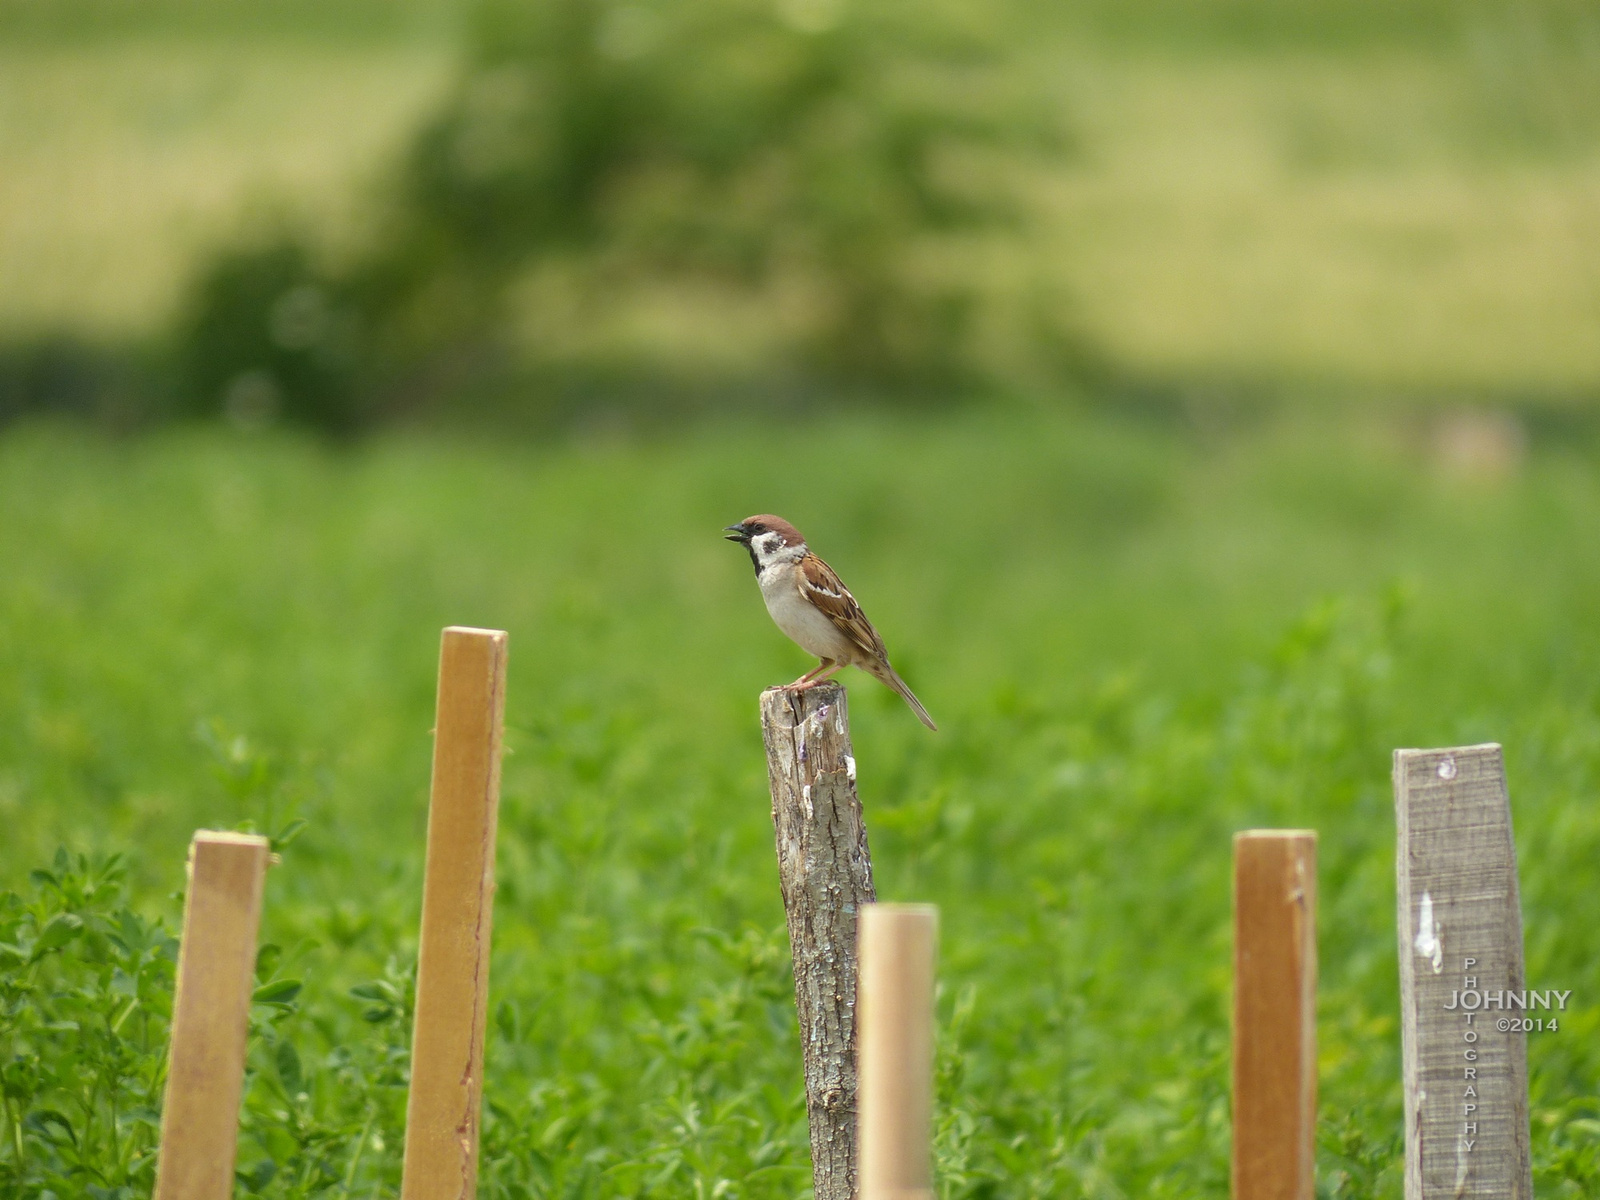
point(809, 629)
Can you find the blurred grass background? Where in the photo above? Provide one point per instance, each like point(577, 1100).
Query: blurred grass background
point(1261, 442)
point(1353, 200)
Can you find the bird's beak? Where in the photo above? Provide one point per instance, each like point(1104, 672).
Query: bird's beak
point(735, 533)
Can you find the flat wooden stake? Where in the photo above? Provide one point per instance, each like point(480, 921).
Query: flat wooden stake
point(1274, 1014)
point(825, 872)
point(899, 946)
point(442, 1111)
point(211, 1017)
point(1462, 996)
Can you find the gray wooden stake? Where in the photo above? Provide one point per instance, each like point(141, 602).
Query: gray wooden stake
point(825, 872)
point(1461, 979)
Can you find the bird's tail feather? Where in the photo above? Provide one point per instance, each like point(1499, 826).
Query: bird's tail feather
point(892, 678)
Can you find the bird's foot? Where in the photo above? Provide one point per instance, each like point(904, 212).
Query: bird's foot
point(811, 679)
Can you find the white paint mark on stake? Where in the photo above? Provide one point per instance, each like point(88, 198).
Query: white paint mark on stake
point(850, 767)
point(1428, 943)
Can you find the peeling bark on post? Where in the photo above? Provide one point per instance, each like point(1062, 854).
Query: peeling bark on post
point(825, 871)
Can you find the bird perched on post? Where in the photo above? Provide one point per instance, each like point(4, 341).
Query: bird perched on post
point(808, 602)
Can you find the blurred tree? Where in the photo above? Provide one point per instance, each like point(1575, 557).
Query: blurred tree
point(265, 341)
point(804, 155)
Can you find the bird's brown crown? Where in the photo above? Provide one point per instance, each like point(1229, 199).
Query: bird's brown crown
point(767, 523)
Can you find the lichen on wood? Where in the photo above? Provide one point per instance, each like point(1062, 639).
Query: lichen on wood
point(825, 872)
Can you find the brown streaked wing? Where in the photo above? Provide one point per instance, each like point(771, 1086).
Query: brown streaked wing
point(822, 587)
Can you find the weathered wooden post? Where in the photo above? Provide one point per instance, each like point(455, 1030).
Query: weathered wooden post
point(1274, 1014)
point(442, 1109)
point(1462, 994)
point(211, 1017)
point(825, 872)
point(899, 948)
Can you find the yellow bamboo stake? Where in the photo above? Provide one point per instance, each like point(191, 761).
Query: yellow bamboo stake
point(898, 948)
point(211, 1017)
point(441, 1156)
point(1274, 1014)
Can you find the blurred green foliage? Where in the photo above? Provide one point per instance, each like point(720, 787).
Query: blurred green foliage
point(813, 160)
point(642, 208)
point(69, 21)
point(1337, 25)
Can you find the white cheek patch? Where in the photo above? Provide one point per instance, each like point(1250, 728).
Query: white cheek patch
point(767, 544)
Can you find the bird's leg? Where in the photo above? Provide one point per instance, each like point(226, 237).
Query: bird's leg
point(810, 677)
point(805, 680)
point(820, 675)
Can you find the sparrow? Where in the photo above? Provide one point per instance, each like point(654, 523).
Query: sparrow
point(808, 602)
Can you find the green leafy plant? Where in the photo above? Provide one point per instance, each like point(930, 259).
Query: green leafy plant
point(86, 987)
point(325, 1122)
point(85, 1002)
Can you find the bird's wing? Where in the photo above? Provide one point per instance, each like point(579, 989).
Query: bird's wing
point(820, 586)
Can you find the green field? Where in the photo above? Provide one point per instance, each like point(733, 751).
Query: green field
point(1340, 495)
point(1136, 639)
